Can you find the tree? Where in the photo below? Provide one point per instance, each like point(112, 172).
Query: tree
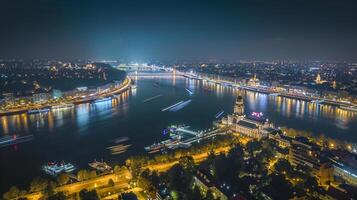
point(13, 193)
point(179, 179)
point(253, 146)
point(88, 195)
point(117, 169)
point(111, 183)
point(311, 184)
point(38, 184)
point(187, 163)
point(279, 187)
point(209, 195)
point(195, 194)
point(62, 179)
point(283, 166)
point(236, 152)
point(50, 189)
point(128, 196)
point(82, 175)
point(58, 196)
point(92, 174)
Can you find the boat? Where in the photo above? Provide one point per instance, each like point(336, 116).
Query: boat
point(152, 98)
point(14, 139)
point(54, 168)
point(120, 140)
point(219, 114)
point(172, 106)
point(162, 145)
point(154, 147)
point(156, 84)
point(349, 108)
point(133, 86)
point(68, 167)
point(100, 166)
point(103, 100)
point(180, 106)
point(62, 106)
point(37, 111)
point(118, 147)
point(189, 91)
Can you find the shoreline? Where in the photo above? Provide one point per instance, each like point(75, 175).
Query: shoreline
point(123, 87)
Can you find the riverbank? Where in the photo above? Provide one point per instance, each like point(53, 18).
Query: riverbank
point(78, 99)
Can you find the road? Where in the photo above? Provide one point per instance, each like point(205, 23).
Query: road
point(121, 181)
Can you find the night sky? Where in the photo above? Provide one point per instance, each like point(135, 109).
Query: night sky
point(138, 30)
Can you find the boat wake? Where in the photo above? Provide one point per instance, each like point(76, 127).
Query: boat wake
point(220, 113)
point(177, 106)
point(14, 139)
point(152, 98)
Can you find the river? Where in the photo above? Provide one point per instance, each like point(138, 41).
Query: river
point(81, 134)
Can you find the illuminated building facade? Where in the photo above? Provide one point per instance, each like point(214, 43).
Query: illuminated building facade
point(304, 153)
point(39, 97)
point(254, 126)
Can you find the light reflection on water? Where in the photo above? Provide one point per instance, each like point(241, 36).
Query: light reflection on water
point(289, 108)
point(82, 114)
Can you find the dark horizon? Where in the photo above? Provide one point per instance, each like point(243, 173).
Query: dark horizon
point(180, 30)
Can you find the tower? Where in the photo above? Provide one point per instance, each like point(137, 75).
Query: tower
point(239, 105)
point(334, 84)
point(318, 79)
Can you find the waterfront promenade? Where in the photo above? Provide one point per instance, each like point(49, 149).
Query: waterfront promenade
point(270, 91)
point(72, 100)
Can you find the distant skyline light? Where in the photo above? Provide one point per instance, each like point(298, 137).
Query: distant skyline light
point(198, 29)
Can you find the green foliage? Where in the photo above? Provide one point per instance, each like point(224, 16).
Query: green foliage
point(50, 189)
point(13, 193)
point(209, 195)
point(253, 146)
point(117, 169)
point(38, 184)
point(279, 187)
point(85, 174)
point(128, 196)
point(179, 179)
point(62, 179)
point(195, 194)
point(57, 196)
point(187, 163)
point(283, 166)
point(111, 183)
point(88, 195)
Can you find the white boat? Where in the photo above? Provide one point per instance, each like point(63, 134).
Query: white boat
point(100, 166)
point(54, 168)
point(189, 91)
point(14, 139)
